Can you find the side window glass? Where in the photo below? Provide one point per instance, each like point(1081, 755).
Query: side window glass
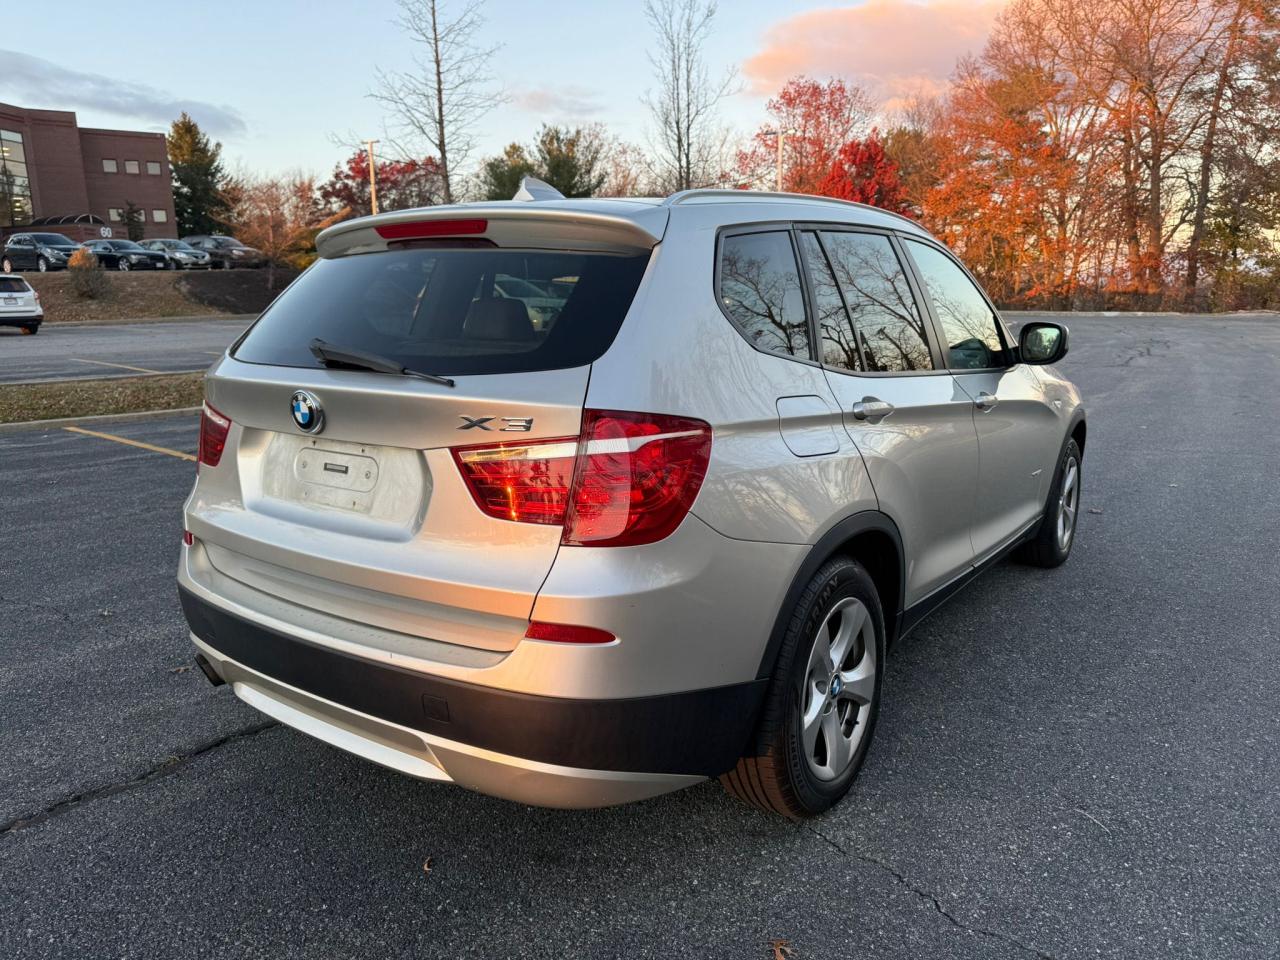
point(760, 287)
point(838, 343)
point(890, 325)
point(971, 330)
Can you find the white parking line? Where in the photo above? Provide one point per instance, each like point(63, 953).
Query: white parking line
point(132, 443)
point(122, 366)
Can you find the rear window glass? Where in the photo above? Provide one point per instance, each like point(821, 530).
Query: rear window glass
point(453, 311)
point(12, 285)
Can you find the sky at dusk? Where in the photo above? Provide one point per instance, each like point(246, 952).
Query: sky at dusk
point(277, 80)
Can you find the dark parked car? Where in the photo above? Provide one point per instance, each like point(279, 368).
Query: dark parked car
point(126, 255)
point(180, 255)
point(37, 251)
point(227, 252)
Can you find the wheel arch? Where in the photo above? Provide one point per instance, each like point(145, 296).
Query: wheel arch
point(1079, 430)
point(869, 537)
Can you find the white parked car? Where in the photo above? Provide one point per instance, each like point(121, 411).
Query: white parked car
point(19, 304)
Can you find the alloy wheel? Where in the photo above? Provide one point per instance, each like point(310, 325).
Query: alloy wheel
point(839, 685)
point(1068, 503)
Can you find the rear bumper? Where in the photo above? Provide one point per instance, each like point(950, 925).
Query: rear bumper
point(21, 319)
point(552, 751)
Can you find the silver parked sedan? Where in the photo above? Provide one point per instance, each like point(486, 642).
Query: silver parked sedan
point(179, 255)
point(663, 529)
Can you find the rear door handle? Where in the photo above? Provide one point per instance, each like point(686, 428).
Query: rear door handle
point(986, 401)
point(871, 409)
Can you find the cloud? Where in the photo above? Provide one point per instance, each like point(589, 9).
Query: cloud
point(38, 83)
point(571, 102)
point(893, 48)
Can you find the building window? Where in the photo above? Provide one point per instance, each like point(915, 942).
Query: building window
point(153, 167)
point(131, 166)
point(115, 214)
point(109, 166)
point(15, 187)
point(159, 216)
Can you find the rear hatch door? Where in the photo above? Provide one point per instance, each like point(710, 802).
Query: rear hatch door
point(338, 490)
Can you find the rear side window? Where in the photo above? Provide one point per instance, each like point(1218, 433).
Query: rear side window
point(890, 326)
point(838, 340)
point(968, 323)
point(12, 285)
point(453, 311)
point(760, 289)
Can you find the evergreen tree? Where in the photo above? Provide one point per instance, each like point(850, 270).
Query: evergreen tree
point(500, 176)
point(132, 218)
point(198, 179)
point(571, 159)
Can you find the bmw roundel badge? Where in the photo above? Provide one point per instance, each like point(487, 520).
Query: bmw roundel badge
point(307, 412)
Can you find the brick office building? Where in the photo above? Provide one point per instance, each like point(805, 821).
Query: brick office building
point(53, 170)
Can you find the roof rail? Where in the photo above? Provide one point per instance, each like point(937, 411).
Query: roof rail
point(681, 196)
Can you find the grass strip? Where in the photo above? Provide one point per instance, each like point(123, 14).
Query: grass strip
point(87, 398)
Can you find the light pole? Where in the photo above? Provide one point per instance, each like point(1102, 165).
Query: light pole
point(782, 140)
point(373, 177)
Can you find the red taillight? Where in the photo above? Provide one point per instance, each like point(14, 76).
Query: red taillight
point(637, 477)
point(431, 228)
point(213, 436)
point(629, 479)
point(188, 538)
point(525, 482)
point(567, 633)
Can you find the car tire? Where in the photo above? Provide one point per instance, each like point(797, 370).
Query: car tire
point(814, 733)
point(31, 330)
point(1051, 544)
point(42, 264)
point(6, 265)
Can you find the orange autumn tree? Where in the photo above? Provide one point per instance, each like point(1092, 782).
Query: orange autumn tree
point(818, 118)
point(1000, 182)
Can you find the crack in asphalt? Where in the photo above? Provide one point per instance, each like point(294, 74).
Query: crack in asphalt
point(36, 605)
point(930, 899)
point(163, 769)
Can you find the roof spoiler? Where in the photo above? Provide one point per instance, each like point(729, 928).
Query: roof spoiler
point(550, 224)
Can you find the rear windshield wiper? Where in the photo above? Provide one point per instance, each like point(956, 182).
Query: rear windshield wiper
point(353, 359)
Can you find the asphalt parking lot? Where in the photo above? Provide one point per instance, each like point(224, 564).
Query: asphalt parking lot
point(76, 352)
point(1073, 763)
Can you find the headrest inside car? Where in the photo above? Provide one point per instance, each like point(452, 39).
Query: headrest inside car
point(498, 319)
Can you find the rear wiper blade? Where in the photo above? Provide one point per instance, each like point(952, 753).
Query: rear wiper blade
point(354, 359)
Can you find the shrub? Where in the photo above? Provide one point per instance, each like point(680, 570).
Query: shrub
point(88, 281)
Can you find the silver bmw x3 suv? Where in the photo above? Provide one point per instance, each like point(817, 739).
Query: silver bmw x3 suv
point(575, 502)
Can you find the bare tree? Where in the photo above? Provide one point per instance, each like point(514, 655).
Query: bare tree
point(438, 103)
point(690, 146)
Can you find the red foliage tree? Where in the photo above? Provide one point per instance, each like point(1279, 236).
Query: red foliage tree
point(863, 172)
point(402, 184)
point(817, 118)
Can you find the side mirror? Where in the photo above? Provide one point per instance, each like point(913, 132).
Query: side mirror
point(1041, 342)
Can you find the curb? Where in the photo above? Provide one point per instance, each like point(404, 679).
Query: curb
point(204, 318)
point(105, 377)
point(27, 426)
point(1220, 315)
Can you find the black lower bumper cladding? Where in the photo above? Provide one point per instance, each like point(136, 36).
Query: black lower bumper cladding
point(695, 732)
